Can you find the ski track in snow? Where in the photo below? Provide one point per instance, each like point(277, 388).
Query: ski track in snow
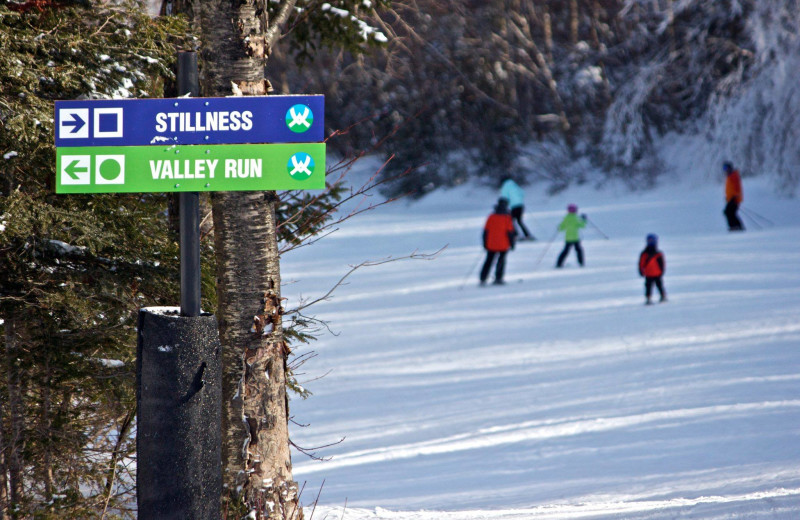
point(511, 434)
point(619, 506)
point(559, 395)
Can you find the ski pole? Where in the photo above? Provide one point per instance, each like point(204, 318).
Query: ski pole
point(752, 220)
point(469, 273)
point(547, 247)
point(597, 228)
point(754, 214)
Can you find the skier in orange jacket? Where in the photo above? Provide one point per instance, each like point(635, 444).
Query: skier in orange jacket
point(733, 197)
point(498, 238)
point(652, 267)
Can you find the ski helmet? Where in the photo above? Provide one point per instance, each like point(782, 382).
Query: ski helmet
point(572, 208)
point(652, 239)
point(727, 167)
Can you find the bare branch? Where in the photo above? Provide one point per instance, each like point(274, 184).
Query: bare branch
point(311, 452)
point(362, 192)
point(274, 30)
point(326, 374)
point(291, 419)
point(300, 360)
point(317, 500)
point(368, 263)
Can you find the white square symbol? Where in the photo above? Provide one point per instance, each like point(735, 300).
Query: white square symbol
point(75, 169)
point(107, 122)
point(73, 123)
point(109, 169)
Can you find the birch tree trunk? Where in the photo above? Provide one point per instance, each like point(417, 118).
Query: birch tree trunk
point(671, 27)
point(523, 31)
point(574, 22)
point(255, 450)
point(596, 11)
point(548, 34)
point(255, 447)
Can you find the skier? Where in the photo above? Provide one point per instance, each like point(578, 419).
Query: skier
point(571, 226)
point(733, 197)
point(511, 191)
point(652, 267)
point(498, 238)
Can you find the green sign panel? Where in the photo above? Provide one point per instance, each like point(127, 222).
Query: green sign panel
point(235, 167)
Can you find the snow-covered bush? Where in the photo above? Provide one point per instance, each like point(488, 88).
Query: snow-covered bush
point(755, 121)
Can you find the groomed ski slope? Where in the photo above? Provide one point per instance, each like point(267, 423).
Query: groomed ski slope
point(559, 395)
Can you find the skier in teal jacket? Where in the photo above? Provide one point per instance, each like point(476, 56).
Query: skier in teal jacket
point(515, 197)
point(571, 226)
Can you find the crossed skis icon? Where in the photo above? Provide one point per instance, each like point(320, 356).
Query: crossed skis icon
point(302, 167)
point(301, 119)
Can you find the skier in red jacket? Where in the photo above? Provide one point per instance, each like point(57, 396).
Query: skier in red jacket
point(498, 238)
point(733, 197)
point(652, 267)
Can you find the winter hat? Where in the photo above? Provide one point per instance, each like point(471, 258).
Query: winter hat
point(572, 208)
point(501, 206)
point(652, 239)
point(727, 167)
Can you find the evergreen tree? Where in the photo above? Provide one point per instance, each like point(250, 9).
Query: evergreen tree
point(74, 269)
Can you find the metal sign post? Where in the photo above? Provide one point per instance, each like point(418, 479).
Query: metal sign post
point(189, 205)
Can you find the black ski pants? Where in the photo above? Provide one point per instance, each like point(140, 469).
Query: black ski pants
point(565, 252)
point(648, 287)
point(516, 214)
point(734, 223)
point(499, 269)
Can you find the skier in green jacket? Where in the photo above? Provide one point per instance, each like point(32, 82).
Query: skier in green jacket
point(571, 226)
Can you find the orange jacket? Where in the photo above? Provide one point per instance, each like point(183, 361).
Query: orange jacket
point(733, 187)
point(651, 263)
point(498, 233)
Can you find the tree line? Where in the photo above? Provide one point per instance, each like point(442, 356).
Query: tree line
point(487, 88)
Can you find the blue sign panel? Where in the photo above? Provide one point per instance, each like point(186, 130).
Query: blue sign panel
point(183, 121)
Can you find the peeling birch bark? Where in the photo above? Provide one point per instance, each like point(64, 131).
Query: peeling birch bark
point(255, 452)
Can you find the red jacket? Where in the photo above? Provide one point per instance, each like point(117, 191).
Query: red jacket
point(498, 233)
point(651, 263)
point(733, 187)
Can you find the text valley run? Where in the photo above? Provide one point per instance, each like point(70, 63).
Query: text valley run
point(206, 169)
point(142, 169)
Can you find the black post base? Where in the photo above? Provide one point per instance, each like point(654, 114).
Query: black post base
point(179, 434)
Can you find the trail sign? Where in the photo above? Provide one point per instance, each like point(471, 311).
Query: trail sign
point(183, 121)
point(243, 167)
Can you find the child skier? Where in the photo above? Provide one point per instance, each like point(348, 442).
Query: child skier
point(652, 266)
point(571, 226)
point(498, 238)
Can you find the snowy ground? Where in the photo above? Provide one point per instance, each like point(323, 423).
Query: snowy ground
point(559, 395)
